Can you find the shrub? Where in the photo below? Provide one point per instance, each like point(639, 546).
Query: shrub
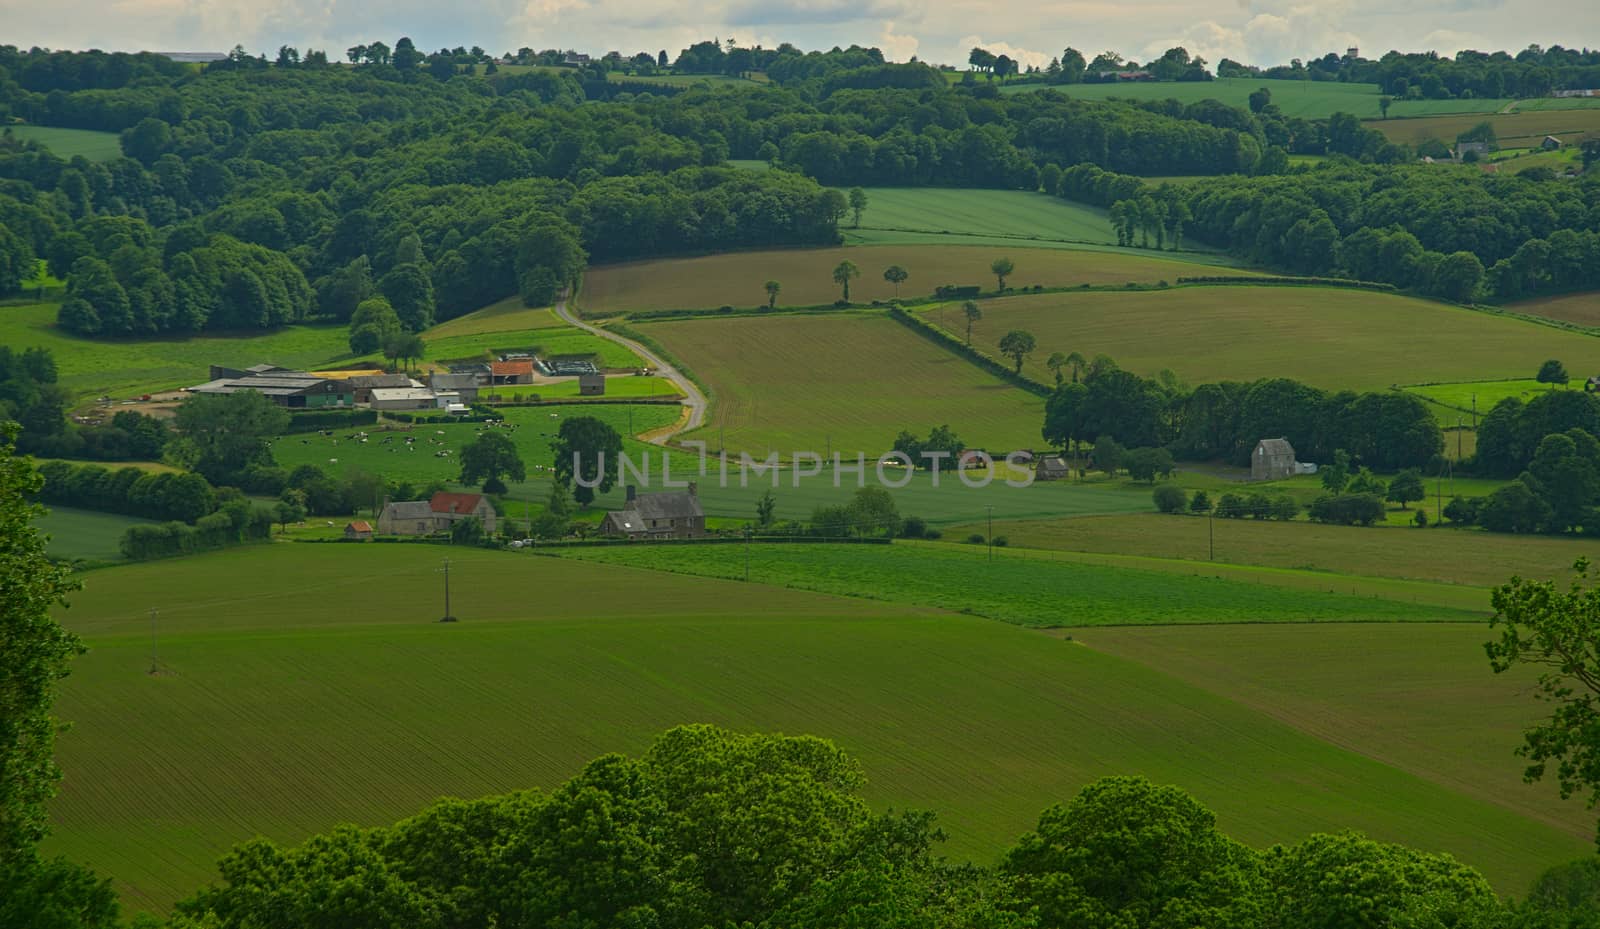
point(932, 535)
point(999, 541)
point(1284, 508)
point(1232, 506)
point(914, 527)
point(975, 539)
point(1348, 509)
point(1170, 498)
point(1463, 510)
point(1421, 519)
point(1200, 503)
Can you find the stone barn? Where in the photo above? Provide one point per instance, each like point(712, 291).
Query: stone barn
point(1272, 460)
point(591, 385)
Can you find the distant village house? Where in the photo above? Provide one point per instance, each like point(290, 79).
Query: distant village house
point(426, 517)
point(668, 515)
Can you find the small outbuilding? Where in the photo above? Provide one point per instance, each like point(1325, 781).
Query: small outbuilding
point(591, 385)
point(1272, 460)
point(402, 398)
point(1052, 468)
point(1550, 143)
point(516, 371)
point(358, 530)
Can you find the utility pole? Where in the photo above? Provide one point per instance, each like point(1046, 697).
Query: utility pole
point(155, 661)
point(1211, 534)
point(747, 554)
point(448, 616)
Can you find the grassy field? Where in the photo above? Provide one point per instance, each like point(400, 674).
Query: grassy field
point(1307, 99)
point(1478, 560)
point(66, 143)
point(738, 278)
point(86, 534)
point(983, 722)
point(1329, 338)
point(1014, 587)
point(1467, 396)
point(509, 315)
point(1369, 689)
point(1582, 309)
point(626, 386)
point(1521, 129)
point(1004, 213)
point(91, 368)
point(845, 382)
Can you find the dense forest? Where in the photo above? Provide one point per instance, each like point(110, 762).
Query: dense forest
point(255, 193)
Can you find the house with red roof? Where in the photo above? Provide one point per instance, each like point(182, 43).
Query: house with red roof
point(514, 371)
point(437, 514)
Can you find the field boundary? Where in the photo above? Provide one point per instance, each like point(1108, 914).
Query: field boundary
point(983, 360)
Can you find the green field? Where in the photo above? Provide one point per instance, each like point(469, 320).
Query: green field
point(994, 213)
point(91, 368)
point(67, 143)
point(738, 278)
point(847, 382)
point(1521, 129)
point(625, 386)
point(1329, 338)
point(283, 709)
point(1306, 99)
point(1480, 396)
point(1581, 309)
point(1452, 557)
point(1014, 587)
point(84, 534)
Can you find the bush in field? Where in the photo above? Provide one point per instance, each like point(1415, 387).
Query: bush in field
point(1170, 498)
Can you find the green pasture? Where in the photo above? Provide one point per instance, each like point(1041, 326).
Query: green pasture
point(91, 368)
point(982, 722)
point(738, 279)
point(68, 143)
point(1467, 396)
point(1523, 128)
point(1306, 99)
point(1580, 309)
point(508, 315)
point(1013, 587)
point(845, 382)
point(1457, 558)
point(85, 534)
point(1327, 337)
point(994, 213)
point(1418, 697)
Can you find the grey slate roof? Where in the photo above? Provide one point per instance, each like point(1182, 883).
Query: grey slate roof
point(670, 505)
point(410, 509)
point(452, 381)
point(1276, 447)
point(361, 381)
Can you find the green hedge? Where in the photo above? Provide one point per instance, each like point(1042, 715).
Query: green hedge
point(235, 524)
point(985, 361)
point(957, 292)
point(1279, 281)
point(312, 420)
point(186, 497)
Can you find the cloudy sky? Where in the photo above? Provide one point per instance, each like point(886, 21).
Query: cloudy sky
point(1252, 31)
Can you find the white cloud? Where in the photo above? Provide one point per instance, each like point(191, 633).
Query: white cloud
point(1253, 31)
point(1024, 56)
point(896, 47)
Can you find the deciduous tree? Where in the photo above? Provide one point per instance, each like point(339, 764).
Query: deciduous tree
point(842, 273)
point(586, 451)
point(490, 457)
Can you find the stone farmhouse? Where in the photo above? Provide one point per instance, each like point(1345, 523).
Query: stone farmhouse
point(670, 515)
point(426, 517)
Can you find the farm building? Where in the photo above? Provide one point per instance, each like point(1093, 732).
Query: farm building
point(671, 515)
point(479, 371)
point(1479, 149)
point(362, 385)
point(517, 371)
point(1052, 468)
point(425, 517)
point(358, 530)
point(591, 385)
point(403, 398)
point(1550, 143)
point(296, 390)
point(1272, 460)
point(464, 386)
point(973, 458)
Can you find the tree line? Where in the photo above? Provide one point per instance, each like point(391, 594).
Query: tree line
point(1385, 431)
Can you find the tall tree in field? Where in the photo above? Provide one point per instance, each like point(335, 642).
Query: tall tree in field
point(858, 205)
point(972, 313)
point(490, 457)
point(1384, 102)
point(1018, 343)
point(1055, 363)
point(1406, 487)
point(895, 275)
point(1077, 363)
point(772, 293)
point(842, 273)
point(586, 451)
point(223, 434)
point(1555, 632)
point(1552, 372)
point(1001, 267)
point(34, 652)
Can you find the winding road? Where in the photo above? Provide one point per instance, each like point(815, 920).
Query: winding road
point(693, 398)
